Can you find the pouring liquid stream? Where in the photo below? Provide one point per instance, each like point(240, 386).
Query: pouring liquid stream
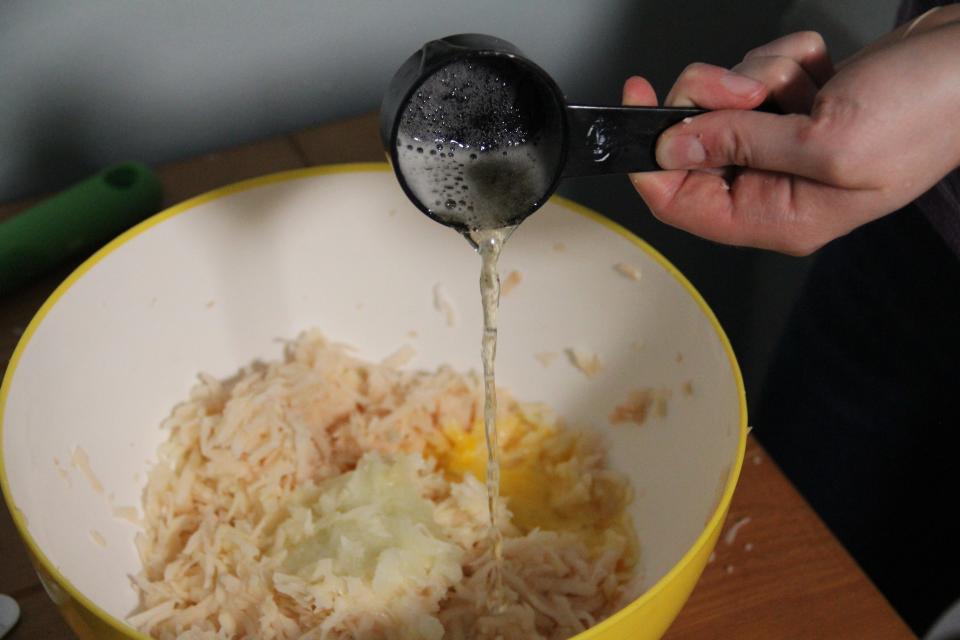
point(467, 152)
point(489, 243)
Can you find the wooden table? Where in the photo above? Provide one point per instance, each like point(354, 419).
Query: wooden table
point(783, 576)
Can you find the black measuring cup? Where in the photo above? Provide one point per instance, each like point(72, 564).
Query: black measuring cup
point(479, 136)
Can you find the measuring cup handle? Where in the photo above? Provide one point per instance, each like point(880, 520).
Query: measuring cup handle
point(605, 140)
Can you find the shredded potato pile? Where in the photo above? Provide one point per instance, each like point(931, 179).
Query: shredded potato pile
point(324, 497)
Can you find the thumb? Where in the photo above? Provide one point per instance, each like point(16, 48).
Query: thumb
point(783, 143)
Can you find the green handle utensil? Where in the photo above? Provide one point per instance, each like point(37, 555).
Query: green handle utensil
point(75, 222)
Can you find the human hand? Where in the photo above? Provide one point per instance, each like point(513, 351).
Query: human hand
point(855, 144)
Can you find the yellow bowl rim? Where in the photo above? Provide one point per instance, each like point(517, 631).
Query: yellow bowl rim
point(716, 520)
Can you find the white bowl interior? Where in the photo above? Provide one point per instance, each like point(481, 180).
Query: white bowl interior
point(222, 282)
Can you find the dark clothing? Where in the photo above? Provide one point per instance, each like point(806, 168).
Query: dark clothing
point(941, 206)
point(862, 407)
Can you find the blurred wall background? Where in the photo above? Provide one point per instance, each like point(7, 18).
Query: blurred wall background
point(85, 84)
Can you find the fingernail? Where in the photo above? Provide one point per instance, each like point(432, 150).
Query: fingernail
point(680, 152)
point(740, 85)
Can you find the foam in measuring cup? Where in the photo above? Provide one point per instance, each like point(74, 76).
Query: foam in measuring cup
point(469, 148)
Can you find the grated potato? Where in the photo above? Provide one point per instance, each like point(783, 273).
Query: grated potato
point(510, 282)
point(81, 461)
point(639, 404)
point(588, 363)
point(442, 303)
point(326, 497)
point(400, 357)
point(628, 270)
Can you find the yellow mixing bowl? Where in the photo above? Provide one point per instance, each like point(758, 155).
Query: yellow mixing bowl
point(213, 283)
